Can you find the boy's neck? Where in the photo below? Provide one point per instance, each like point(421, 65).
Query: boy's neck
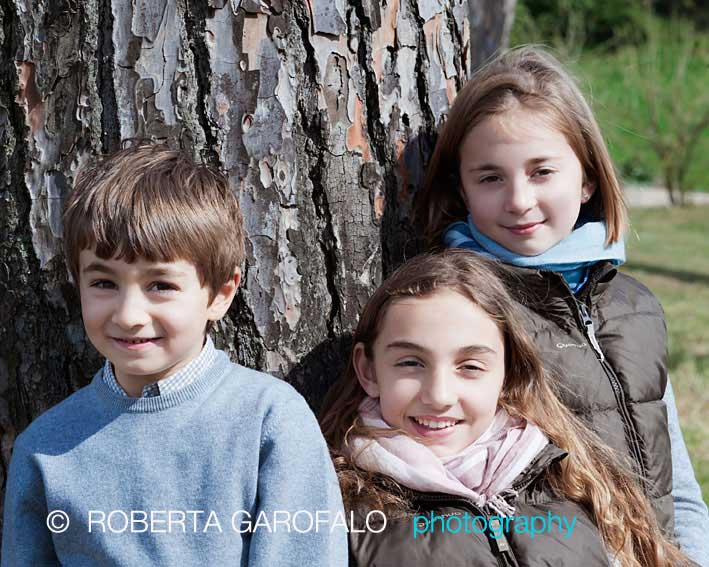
point(134, 385)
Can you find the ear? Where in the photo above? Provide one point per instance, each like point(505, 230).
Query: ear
point(364, 368)
point(587, 191)
point(225, 295)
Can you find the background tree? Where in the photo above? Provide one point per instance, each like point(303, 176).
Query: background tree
point(322, 113)
point(673, 103)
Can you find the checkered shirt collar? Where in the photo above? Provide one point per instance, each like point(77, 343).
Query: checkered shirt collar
point(181, 379)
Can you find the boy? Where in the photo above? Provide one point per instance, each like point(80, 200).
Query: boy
point(172, 455)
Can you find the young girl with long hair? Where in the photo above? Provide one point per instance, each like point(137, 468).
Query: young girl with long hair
point(445, 412)
point(520, 173)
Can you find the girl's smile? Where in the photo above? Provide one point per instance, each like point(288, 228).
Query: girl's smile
point(525, 229)
point(437, 367)
point(435, 428)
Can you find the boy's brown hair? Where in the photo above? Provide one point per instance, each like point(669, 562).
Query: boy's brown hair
point(152, 202)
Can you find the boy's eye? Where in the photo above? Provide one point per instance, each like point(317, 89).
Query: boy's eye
point(102, 284)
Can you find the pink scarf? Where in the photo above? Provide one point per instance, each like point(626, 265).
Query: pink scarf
point(483, 471)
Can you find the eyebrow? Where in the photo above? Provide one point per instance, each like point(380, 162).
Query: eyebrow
point(492, 166)
point(152, 272)
point(470, 350)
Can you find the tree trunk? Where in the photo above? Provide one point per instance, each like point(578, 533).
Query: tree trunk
point(321, 111)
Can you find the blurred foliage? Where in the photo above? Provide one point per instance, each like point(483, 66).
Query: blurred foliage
point(667, 74)
point(695, 10)
point(570, 25)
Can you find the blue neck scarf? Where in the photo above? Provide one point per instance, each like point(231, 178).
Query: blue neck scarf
point(572, 257)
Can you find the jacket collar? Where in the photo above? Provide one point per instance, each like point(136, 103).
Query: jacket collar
point(541, 287)
point(546, 458)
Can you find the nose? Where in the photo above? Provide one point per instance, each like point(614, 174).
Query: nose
point(520, 197)
point(130, 310)
point(438, 390)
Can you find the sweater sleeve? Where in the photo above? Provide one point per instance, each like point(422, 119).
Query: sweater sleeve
point(691, 518)
point(26, 539)
point(296, 476)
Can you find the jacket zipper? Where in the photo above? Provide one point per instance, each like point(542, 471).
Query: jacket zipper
point(615, 384)
point(588, 327)
point(501, 547)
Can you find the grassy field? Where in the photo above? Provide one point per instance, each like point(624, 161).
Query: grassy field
point(668, 250)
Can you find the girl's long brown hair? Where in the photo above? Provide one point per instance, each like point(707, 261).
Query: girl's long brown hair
point(591, 475)
point(530, 79)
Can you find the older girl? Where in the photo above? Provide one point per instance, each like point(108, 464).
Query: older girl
point(520, 173)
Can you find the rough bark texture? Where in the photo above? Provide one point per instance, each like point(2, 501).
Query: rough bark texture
point(321, 111)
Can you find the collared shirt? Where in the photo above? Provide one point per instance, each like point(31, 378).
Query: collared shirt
point(181, 379)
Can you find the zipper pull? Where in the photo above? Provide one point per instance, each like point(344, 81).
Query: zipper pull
point(499, 543)
point(590, 331)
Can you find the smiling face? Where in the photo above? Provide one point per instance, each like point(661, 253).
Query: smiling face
point(521, 182)
point(437, 367)
point(147, 318)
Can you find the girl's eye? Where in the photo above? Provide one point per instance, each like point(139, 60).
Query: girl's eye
point(471, 367)
point(408, 363)
point(543, 172)
point(490, 179)
point(162, 287)
point(102, 284)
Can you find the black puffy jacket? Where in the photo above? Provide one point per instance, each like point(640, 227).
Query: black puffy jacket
point(556, 545)
point(607, 347)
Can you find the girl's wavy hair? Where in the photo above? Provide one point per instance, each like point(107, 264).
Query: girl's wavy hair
point(590, 475)
point(529, 79)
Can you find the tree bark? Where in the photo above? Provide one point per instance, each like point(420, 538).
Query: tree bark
point(322, 112)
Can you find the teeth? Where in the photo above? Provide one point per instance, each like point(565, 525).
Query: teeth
point(435, 424)
point(136, 341)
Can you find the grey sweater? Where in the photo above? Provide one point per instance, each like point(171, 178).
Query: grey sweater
point(230, 470)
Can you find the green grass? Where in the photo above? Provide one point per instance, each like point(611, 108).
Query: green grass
point(668, 250)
